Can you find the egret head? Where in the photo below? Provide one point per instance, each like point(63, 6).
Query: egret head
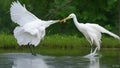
point(72, 15)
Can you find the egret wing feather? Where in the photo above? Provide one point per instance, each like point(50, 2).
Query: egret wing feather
point(20, 14)
point(96, 37)
point(24, 37)
point(103, 30)
point(93, 36)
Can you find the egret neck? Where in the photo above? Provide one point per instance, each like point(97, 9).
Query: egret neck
point(75, 20)
point(50, 22)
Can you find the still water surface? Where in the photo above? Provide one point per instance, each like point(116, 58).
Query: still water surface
point(26, 60)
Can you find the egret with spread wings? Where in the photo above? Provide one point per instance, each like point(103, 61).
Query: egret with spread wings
point(31, 29)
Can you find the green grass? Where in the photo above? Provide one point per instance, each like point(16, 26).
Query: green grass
point(7, 41)
point(60, 41)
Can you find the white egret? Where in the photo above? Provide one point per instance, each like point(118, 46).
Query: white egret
point(31, 29)
point(92, 32)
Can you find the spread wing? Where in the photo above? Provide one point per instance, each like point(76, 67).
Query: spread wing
point(20, 15)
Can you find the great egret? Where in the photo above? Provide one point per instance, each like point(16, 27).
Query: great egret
point(92, 32)
point(31, 29)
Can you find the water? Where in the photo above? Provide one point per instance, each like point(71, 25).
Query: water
point(26, 60)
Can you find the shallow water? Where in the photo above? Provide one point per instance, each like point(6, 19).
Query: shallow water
point(26, 60)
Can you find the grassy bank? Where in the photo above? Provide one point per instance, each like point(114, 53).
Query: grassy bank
point(60, 41)
point(63, 52)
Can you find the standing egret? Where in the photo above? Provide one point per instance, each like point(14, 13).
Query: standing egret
point(31, 29)
point(92, 32)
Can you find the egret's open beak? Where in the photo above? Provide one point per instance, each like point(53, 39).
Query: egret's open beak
point(64, 20)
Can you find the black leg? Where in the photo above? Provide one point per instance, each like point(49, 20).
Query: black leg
point(31, 50)
point(91, 49)
point(34, 53)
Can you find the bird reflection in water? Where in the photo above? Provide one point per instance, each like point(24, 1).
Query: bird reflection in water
point(94, 61)
point(29, 63)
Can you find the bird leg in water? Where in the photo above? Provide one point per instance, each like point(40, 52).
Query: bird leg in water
point(92, 54)
point(31, 49)
point(91, 49)
point(95, 50)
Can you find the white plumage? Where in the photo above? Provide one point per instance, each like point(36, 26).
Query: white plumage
point(92, 32)
point(31, 29)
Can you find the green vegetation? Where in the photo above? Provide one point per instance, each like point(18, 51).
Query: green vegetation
point(59, 41)
point(63, 52)
point(67, 36)
point(7, 41)
point(102, 12)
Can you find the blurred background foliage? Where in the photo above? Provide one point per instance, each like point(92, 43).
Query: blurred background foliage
point(102, 12)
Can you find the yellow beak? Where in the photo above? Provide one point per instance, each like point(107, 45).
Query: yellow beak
point(64, 20)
